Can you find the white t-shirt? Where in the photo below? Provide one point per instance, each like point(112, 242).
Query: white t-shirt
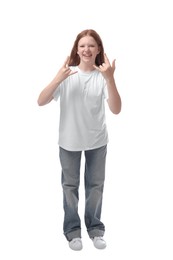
point(82, 123)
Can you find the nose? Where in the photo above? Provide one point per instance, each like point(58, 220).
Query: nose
point(86, 47)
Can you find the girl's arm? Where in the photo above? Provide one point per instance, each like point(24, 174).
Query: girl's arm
point(46, 94)
point(114, 100)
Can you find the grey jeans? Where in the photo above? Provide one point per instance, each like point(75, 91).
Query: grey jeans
point(94, 175)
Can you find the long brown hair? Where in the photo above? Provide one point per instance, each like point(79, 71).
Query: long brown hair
point(74, 57)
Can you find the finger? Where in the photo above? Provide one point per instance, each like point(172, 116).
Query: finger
point(66, 62)
point(96, 67)
point(106, 59)
point(113, 64)
point(73, 72)
point(67, 68)
point(101, 67)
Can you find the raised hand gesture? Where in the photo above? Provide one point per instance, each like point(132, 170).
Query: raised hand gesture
point(47, 93)
point(65, 71)
point(106, 69)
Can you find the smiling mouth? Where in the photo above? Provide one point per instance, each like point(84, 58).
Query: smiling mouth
point(87, 56)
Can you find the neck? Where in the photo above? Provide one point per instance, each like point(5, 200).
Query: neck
point(86, 67)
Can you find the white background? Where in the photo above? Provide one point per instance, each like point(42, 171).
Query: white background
point(36, 36)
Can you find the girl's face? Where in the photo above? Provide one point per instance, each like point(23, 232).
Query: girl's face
point(87, 50)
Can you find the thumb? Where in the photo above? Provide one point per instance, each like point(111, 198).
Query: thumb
point(113, 64)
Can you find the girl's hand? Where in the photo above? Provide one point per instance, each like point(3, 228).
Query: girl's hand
point(65, 71)
point(106, 69)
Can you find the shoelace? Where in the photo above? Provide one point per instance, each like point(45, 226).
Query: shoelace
point(98, 238)
point(76, 240)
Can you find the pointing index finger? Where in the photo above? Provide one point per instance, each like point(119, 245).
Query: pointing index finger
point(66, 61)
point(106, 58)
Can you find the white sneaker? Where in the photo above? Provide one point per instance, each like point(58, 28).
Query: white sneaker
point(76, 244)
point(99, 242)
